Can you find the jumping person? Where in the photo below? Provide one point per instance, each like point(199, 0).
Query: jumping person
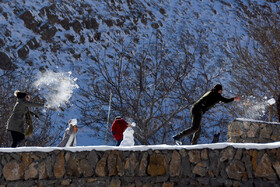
point(16, 122)
point(206, 102)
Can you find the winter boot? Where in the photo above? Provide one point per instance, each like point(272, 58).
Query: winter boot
point(177, 140)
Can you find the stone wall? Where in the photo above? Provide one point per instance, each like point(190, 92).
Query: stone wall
point(200, 165)
point(246, 131)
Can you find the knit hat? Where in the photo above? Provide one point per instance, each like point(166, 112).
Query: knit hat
point(217, 87)
point(20, 94)
point(118, 117)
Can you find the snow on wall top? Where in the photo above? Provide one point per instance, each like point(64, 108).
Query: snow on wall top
point(255, 121)
point(246, 146)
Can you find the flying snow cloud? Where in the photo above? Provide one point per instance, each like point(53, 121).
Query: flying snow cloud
point(257, 108)
point(57, 87)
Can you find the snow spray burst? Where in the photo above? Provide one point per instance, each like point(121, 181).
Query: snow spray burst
point(255, 108)
point(56, 87)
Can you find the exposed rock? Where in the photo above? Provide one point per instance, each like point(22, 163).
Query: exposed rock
point(120, 22)
point(91, 24)
point(248, 164)
point(264, 168)
point(131, 165)
point(77, 56)
point(49, 167)
point(101, 167)
point(97, 36)
point(175, 164)
point(109, 22)
point(33, 43)
point(115, 183)
point(42, 171)
point(65, 182)
point(266, 132)
point(186, 169)
point(167, 184)
point(86, 168)
point(143, 165)
point(247, 125)
point(2, 43)
point(29, 21)
point(112, 164)
point(48, 32)
point(227, 154)
point(1, 170)
point(194, 156)
point(50, 12)
point(77, 26)
point(238, 154)
point(203, 181)
point(120, 163)
point(65, 23)
point(162, 11)
point(70, 38)
point(204, 155)
point(23, 52)
point(26, 159)
point(73, 166)
point(252, 132)
point(156, 165)
point(59, 168)
point(93, 158)
point(31, 172)
point(13, 171)
point(201, 168)
point(155, 25)
point(235, 129)
point(276, 166)
point(235, 170)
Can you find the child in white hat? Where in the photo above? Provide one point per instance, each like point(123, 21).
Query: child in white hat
point(70, 135)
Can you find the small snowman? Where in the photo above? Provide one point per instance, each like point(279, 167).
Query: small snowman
point(128, 138)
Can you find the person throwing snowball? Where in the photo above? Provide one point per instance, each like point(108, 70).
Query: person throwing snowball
point(206, 102)
point(16, 122)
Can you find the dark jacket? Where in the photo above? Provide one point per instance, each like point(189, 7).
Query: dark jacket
point(17, 119)
point(209, 99)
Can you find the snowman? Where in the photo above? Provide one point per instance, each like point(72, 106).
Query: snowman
point(128, 138)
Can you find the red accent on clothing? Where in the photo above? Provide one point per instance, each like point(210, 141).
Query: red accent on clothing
point(118, 127)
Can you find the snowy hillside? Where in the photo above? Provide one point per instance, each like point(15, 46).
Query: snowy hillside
point(71, 36)
point(42, 35)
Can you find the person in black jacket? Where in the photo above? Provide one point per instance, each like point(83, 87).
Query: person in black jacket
point(206, 102)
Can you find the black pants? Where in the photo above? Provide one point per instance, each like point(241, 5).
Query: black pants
point(195, 129)
point(17, 138)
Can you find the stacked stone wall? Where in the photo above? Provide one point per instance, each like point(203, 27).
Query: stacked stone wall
point(182, 166)
point(246, 131)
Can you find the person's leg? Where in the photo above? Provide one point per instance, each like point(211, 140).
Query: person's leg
point(196, 115)
point(196, 136)
point(119, 142)
point(17, 138)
